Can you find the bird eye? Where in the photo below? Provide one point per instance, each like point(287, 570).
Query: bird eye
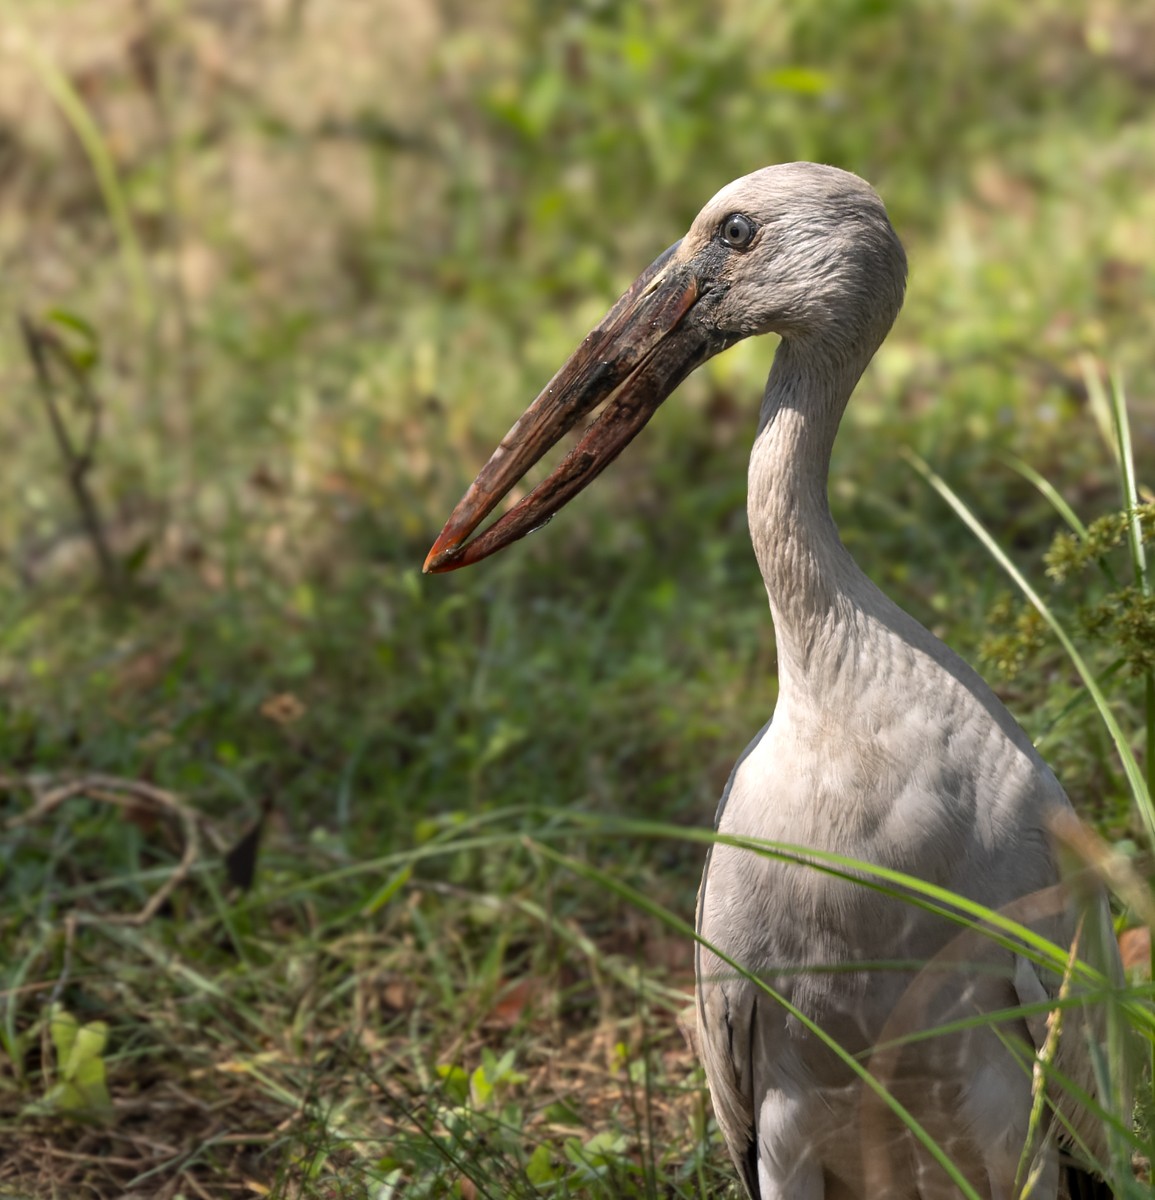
point(737, 231)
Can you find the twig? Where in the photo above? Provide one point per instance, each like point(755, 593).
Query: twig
point(42, 344)
point(189, 1180)
point(123, 793)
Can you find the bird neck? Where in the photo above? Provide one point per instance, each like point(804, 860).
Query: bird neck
point(813, 584)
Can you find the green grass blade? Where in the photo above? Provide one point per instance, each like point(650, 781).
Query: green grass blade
point(554, 825)
point(1135, 776)
point(76, 113)
point(935, 899)
point(1122, 426)
point(1098, 403)
point(1050, 493)
point(644, 903)
point(1125, 457)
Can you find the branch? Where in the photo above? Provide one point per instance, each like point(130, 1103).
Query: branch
point(123, 793)
point(41, 344)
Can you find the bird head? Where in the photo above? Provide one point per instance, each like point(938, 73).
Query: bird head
point(801, 250)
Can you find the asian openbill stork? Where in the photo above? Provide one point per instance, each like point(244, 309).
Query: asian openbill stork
point(884, 746)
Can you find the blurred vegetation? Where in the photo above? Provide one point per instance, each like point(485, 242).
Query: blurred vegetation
point(293, 266)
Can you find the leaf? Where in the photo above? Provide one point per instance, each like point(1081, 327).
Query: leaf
point(63, 1026)
point(504, 738)
point(61, 316)
point(387, 891)
point(92, 1087)
point(456, 1082)
point(803, 81)
point(61, 1098)
point(561, 1112)
point(135, 559)
point(602, 1150)
point(514, 999)
point(480, 1088)
point(540, 1169)
point(82, 351)
point(87, 1047)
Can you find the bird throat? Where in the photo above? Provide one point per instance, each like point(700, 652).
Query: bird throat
point(811, 580)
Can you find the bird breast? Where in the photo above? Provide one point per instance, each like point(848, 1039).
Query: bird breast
point(900, 764)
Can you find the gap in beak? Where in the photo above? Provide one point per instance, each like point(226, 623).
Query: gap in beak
point(541, 470)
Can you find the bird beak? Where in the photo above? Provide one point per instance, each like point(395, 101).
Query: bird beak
point(635, 358)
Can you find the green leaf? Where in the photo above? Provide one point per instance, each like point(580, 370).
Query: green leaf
point(456, 1082)
point(504, 738)
point(602, 1150)
point(61, 1098)
point(480, 1088)
point(87, 1047)
point(387, 891)
point(803, 81)
point(63, 1026)
point(61, 316)
point(561, 1112)
point(82, 345)
point(540, 1169)
point(90, 1082)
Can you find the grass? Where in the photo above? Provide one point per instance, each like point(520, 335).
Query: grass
point(310, 264)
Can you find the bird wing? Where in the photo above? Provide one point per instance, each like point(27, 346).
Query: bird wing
point(726, 1026)
point(724, 1034)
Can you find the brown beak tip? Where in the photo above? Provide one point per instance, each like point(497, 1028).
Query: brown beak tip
point(449, 552)
point(439, 559)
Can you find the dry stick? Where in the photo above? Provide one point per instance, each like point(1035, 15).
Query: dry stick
point(77, 464)
point(122, 793)
point(190, 1181)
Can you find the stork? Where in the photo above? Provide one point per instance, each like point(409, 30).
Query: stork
point(884, 745)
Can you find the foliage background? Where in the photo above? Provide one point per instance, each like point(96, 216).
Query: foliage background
point(313, 257)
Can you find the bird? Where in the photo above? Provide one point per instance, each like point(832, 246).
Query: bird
point(884, 746)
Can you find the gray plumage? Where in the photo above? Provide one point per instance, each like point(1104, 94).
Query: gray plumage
point(884, 746)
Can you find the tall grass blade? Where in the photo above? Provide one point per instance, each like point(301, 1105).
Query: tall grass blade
point(1122, 428)
point(644, 903)
point(1050, 493)
point(1125, 457)
point(1098, 403)
point(76, 113)
point(1135, 777)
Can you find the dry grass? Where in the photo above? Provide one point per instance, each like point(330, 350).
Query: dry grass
point(294, 1059)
